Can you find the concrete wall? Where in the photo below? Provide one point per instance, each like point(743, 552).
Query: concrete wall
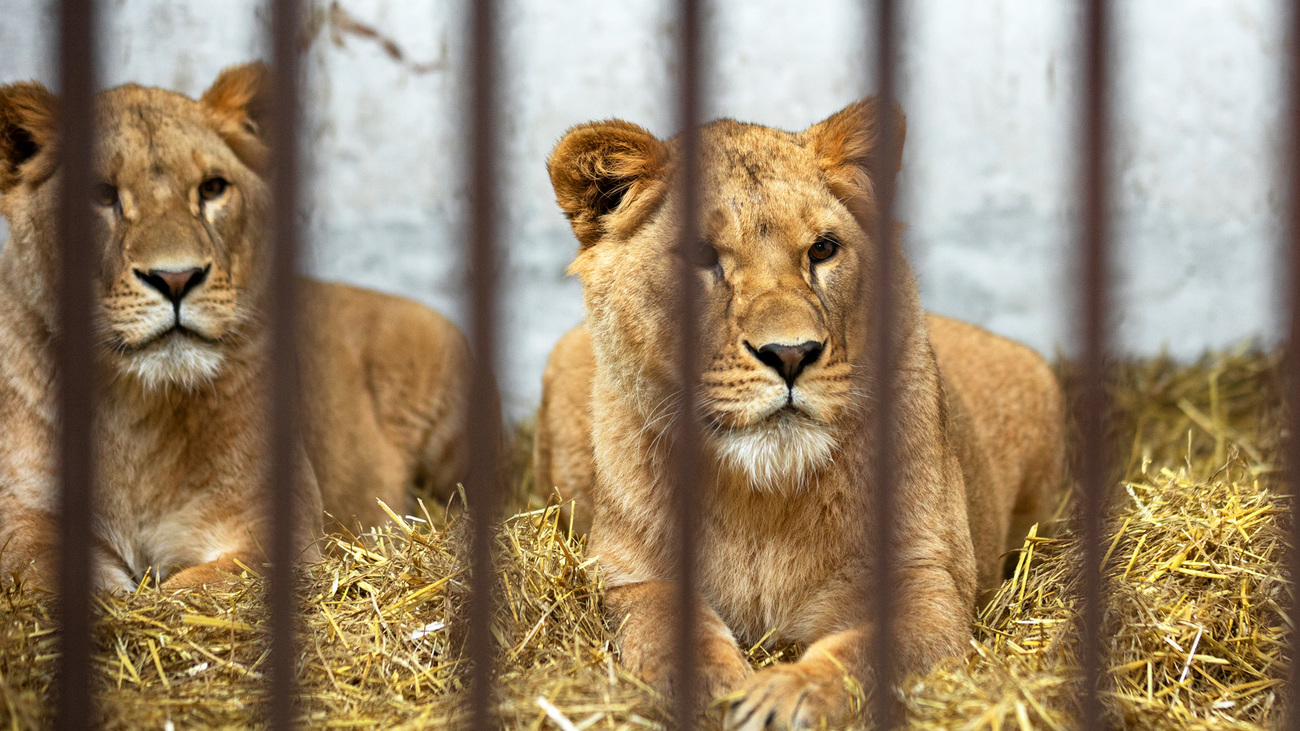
point(989, 87)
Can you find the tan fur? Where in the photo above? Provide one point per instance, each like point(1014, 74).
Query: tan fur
point(562, 457)
point(181, 429)
point(785, 544)
point(388, 385)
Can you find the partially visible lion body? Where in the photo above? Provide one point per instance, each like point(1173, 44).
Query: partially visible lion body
point(562, 449)
point(1006, 417)
point(385, 401)
point(181, 431)
point(786, 501)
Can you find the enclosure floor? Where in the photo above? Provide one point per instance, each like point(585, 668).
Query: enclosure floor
point(1195, 636)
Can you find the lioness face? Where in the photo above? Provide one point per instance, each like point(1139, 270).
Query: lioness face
point(779, 266)
point(181, 209)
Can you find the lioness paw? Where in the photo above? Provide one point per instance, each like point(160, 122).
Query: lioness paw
point(214, 572)
point(788, 697)
point(720, 666)
point(188, 579)
point(722, 669)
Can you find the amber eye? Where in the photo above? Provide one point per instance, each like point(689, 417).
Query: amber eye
point(823, 248)
point(706, 257)
point(105, 195)
point(212, 188)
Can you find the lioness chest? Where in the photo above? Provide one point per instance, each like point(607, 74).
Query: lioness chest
point(775, 562)
point(175, 480)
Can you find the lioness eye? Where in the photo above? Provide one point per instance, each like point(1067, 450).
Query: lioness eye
point(823, 248)
point(105, 195)
point(213, 188)
point(706, 257)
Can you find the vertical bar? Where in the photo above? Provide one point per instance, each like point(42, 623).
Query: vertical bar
point(1292, 374)
point(283, 365)
point(1094, 314)
point(686, 442)
point(884, 340)
point(76, 362)
point(482, 486)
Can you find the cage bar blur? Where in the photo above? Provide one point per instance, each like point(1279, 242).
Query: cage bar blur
point(1291, 446)
point(283, 308)
point(1093, 320)
point(882, 324)
point(482, 485)
point(686, 439)
point(76, 363)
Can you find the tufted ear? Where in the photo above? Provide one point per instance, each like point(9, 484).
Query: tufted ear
point(846, 141)
point(603, 174)
point(237, 104)
point(28, 125)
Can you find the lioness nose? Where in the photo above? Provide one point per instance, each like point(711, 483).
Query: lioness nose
point(788, 360)
point(173, 283)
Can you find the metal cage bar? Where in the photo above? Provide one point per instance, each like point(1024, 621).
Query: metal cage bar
point(76, 363)
point(1094, 337)
point(882, 338)
point(686, 439)
point(1291, 373)
point(482, 486)
point(283, 307)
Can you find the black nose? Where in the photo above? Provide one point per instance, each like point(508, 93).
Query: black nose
point(788, 360)
point(173, 283)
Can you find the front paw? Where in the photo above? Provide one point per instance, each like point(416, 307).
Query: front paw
point(206, 574)
point(792, 696)
point(720, 667)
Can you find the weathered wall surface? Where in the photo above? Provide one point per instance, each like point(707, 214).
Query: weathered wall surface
point(989, 88)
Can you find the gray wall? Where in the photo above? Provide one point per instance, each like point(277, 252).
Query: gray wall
point(989, 87)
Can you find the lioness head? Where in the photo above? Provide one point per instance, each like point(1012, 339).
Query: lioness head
point(781, 257)
point(181, 204)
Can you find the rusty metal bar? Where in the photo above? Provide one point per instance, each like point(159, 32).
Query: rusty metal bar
point(76, 364)
point(1291, 456)
point(1093, 320)
point(283, 307)
point(482, 485)
point(883, 338)
point(686, 439)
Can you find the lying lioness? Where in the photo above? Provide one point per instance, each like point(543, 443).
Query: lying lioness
point(183, 223)
point(788, 475)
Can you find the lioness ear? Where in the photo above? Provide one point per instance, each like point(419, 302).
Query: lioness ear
point(604, 168)
point(28, 124)
point(237, 106)
point(846, 141)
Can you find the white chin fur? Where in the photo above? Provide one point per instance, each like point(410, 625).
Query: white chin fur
point(776, 456)
point(176, 362)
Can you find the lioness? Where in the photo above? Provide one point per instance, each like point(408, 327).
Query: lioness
point(182, 285)
point(787, 481)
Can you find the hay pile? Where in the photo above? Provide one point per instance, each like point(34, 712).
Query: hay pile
point(1196, 636)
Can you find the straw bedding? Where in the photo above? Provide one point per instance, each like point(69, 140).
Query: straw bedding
point(1195, 635)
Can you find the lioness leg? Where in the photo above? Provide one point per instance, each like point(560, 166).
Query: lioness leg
point(802, 694)
point(27, 546)
point(643, 615)
point(212, 572)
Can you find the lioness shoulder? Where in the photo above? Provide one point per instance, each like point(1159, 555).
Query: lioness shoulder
point(181, 214)
point(783, 376)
